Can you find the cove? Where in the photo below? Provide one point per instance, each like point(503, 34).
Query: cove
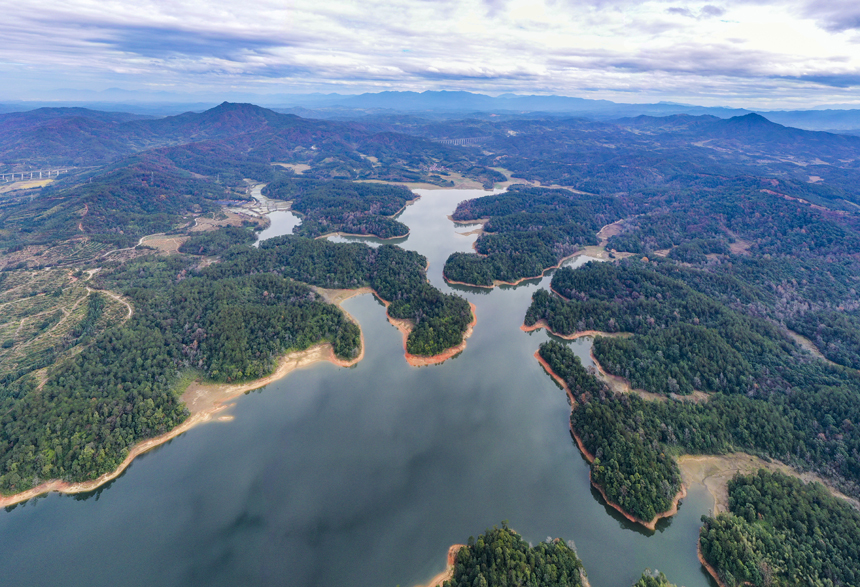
point(361, 476)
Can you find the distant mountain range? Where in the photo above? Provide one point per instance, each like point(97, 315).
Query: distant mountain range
point(233, 141)
point(444, 104)
point(165, 166)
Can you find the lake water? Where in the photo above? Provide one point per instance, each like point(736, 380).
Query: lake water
point(358, 477)
point(281, 222)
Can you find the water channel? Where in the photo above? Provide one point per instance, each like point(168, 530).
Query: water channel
point(358, 477)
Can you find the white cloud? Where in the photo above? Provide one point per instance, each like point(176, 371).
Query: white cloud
point(748, 52)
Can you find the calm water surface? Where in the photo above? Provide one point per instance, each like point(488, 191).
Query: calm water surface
point(281, 222)
point(361, 476)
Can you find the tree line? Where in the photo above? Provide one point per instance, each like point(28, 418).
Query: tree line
point(397, 275)
point(343, 206)
point(529, 230)
point(501, 558)
point(120, 389)
point(781, 531)
point(765, 396)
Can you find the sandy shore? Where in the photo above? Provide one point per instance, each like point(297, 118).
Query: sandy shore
point(448, 573)
point(406, 205)
point(349, 234)
point(204, 401)
point(481, 221)
point(715, 471)
point(581, 334)
point(335, 296)
point(390, 238)
point(497, 282)
point(652, 524)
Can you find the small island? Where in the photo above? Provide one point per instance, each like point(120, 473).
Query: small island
point(500, 556)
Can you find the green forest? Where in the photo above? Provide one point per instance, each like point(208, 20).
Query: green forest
point(649, 579)
point(781, 531)
point(120, 389)
point(529, 230)
point(115, 206)
point(215, 242)
point(229, 322)
point(398, 276)
point(501, 558)
point(742, 233)
point(343, 206)
point(635, 441)
point(640, 479)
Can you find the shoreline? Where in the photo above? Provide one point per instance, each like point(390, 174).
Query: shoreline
point(204, 401)
point(498, 282)
point(349, 234)
point(615, 383)
point(715, 471)
point(652, 525)
point(711, 570)
point(406, 205)
point(481, 221)
point(580, 334)
point(403, 325)
point(448, 573)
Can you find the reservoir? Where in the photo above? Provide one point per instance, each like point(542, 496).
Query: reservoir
point(362, 476)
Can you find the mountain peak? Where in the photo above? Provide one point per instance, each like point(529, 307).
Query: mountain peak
point(751, 119)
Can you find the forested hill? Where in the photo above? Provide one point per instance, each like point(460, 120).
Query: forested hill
point(529, 230)
point(653, 579)
point(131, 178)
point(342, 206)
point(396, 275)
point(780, 531)
point(119, 390)
point(231, 132)
point(792, 259)
point(765, 396)
point(501, 557)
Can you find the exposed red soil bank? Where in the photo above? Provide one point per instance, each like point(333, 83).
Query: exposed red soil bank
point(711, 570)
point(204, 401)
point(652, 524)
point(448, 573)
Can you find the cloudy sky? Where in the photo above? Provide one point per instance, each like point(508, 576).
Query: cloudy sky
point(792, 53)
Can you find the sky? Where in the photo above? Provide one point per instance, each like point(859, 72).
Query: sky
point(756, 53)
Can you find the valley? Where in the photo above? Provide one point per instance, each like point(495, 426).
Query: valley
point(362, 350)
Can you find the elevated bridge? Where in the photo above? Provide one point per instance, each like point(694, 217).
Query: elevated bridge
point(28, 175)
point(462, 142)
